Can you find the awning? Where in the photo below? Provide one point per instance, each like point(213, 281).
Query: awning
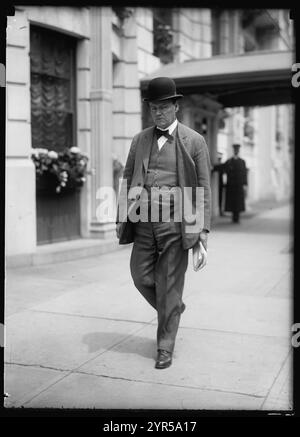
point(250, 79)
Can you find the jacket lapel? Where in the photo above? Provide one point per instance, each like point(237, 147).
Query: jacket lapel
point(186, 168)
point(146, 148)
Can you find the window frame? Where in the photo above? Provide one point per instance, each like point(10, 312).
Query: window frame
point(72, 110)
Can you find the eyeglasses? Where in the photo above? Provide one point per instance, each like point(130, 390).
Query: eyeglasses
point(160, 108)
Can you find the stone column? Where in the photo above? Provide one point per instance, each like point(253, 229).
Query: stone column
point(266, 140)
point(236, 43)
point(101, 115)
point(20, 206)
point(224, 33)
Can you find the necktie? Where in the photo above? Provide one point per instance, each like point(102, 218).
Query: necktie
point(160, 133)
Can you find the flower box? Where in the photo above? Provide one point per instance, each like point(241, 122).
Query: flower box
point(59, 173)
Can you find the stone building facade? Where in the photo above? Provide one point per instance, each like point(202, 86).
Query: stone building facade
point(266, 134)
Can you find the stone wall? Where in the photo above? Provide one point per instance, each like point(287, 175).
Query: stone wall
point(192, 33)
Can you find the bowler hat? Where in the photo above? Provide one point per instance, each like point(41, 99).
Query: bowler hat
point(236, 146)
point(161, 88)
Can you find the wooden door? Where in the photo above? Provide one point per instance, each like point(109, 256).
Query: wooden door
point(52, 57)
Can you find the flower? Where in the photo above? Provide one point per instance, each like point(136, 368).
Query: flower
point(52, 154)
point(37, 151)
point(74, 149)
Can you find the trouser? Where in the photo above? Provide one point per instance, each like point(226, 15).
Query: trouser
point(235, 216)
point(158, 264)
point(220, 200)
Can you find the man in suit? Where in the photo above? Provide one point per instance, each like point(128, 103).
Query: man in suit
point(162, 157)
point(236, 185)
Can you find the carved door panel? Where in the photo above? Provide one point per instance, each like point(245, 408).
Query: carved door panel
point(52, 59)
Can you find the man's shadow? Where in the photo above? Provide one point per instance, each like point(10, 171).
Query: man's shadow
point(97, 341)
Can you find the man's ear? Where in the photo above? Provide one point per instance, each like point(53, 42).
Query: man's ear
point(176, 107)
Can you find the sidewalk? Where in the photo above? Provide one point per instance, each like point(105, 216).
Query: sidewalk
point(79, 335)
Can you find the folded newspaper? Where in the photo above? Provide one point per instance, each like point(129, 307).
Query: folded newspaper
point(199, 256)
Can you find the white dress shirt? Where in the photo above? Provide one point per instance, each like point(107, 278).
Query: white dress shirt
point(162, 140)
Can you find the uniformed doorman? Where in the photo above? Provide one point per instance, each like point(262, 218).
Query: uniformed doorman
point(236, 186)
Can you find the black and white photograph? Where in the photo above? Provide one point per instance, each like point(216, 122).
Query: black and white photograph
point(149, 209)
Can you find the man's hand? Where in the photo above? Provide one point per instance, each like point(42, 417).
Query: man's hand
point(118, 227)
point(245, 190)
point(203, 237)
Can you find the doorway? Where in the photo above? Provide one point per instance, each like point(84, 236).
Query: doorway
point(52, 64)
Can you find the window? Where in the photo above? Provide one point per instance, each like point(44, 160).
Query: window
point(163, 35)
point(52, 59)
point(216, 26)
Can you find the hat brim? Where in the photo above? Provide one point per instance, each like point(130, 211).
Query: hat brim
point(176, 96)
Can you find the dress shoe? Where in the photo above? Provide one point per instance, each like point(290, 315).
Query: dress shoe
point(164, 359)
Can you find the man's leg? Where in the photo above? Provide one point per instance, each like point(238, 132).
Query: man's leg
point(170, 271)
point(236, 217)
point(221, 201)
point(142, 262)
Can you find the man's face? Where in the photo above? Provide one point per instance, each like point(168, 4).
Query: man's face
point(163, 112)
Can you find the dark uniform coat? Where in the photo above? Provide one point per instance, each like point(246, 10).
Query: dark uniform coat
point(236, 171)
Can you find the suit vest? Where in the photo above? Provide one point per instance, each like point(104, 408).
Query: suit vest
point(162, 167)
point(161, 174)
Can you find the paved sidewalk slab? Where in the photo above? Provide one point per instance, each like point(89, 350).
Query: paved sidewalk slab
point(284, 287)
point(251, 270)
point(60, 341)
point(27, 287)
point(204, 359)
point(24, 382)
point(89, 391)
point(280, 396)
point(122, 302)
point(241, 314)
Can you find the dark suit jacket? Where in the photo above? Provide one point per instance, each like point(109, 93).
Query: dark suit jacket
point(193, 168)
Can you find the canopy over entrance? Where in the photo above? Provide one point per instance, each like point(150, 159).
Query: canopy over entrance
point(257, 78)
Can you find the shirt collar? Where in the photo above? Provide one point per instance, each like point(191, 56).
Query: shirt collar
point(171, 128)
